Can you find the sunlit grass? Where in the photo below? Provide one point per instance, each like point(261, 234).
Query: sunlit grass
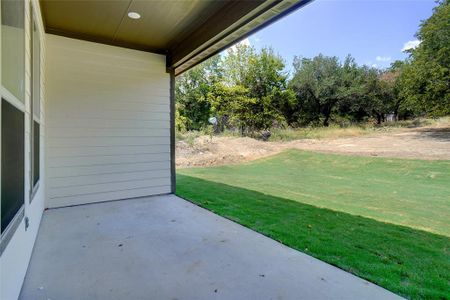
point(383, 219)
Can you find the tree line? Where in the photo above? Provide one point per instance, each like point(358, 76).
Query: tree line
point(250, 91)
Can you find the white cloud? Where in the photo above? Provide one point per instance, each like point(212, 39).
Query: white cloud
point(383, 58)
point(374, 66)
point(410, 45)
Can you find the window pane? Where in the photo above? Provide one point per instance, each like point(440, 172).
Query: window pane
point(36, 141)
point(36, 72)
point(13, 47)
point(12, 171)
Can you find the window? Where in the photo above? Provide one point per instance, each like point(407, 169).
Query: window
point(12, 115)
point(36, 107)
point(12, 162)
point(13, 48)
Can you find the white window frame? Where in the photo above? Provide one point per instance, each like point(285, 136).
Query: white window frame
point(8, 232)
point(33, 35)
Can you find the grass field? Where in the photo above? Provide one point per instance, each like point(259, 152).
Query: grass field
point(385, 220)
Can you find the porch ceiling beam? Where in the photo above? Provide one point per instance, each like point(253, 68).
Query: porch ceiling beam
point(220, 32)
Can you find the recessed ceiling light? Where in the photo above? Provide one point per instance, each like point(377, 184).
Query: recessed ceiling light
point(134, 15)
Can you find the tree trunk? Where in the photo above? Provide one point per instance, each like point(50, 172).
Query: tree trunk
point(378, 119)
point(326, 121)
point(396, 109)
point(327, 114)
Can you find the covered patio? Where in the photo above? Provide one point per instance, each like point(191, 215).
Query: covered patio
point(88, 161)
point(88, 108)
point(164, 247)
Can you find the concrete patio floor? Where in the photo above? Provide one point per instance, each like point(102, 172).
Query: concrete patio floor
point(167, 248)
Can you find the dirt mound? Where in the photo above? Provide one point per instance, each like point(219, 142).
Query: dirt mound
point(431, 143)
point(222, 150)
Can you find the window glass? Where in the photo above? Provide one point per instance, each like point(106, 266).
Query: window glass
point(13, 47)
point(12, 162)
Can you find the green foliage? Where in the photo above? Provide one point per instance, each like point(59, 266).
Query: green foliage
point(381, 219)
point(232, 106)
point(180, 120)
point(317, 83)
point(378, 94)
point(262, 78)
point(191, 92)
point(426, 75)
point(325, 87)
point(249, 91)
point(245, 90)
point(236, 64)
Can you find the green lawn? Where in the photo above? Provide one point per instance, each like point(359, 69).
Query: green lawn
point(386, 220)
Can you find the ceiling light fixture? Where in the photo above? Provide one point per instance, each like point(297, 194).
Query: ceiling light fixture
point(134, 15)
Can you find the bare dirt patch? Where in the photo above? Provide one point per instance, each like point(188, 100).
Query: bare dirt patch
point(431, 143)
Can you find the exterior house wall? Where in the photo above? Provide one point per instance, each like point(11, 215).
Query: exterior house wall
point(108, 123)
point(15, 257)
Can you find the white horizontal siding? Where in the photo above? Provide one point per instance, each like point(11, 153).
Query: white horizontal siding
point(69, 132)
point(90, 189)
point(112, 195)
point(106, 151)
point(108, 123)
point(82, 122)
point(98, 169)
point(74, 161)
point(107, 141)
point(62, 182)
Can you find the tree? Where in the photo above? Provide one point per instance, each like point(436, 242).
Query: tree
point(191, 92)
point(232, 106)
point(261, 75)
point(235, 63)
point(267, 82)
point(353, 103)
point(426, 76)
point(317, 84)
point(180, 121)
point(378, 94)
point(392, 77)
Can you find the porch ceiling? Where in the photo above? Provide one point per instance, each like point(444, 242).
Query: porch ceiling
point(188, 31)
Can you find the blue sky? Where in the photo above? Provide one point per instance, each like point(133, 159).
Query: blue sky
point(373, 31)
